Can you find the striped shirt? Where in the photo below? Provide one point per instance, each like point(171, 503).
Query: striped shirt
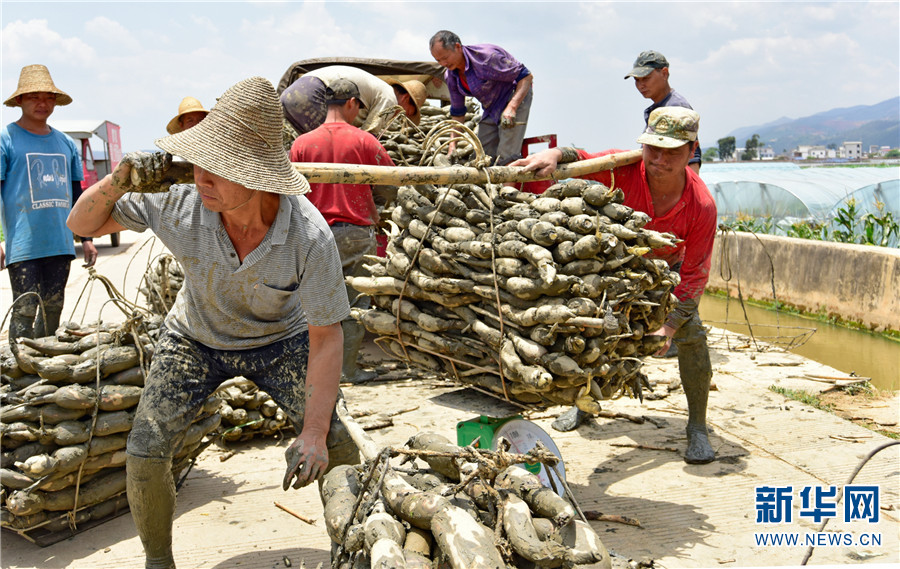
point(226, 304)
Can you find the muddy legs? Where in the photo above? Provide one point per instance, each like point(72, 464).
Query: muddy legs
point(696, 374)
point(151, 496)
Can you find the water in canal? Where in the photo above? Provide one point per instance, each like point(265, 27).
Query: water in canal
point(850, 351)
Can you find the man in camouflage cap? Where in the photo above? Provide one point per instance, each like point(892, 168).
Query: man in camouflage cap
point(678, 202)
point(651, 77)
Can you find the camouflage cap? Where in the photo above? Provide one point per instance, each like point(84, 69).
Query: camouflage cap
point(646, 62)
point(671, 127)
point(340, 91)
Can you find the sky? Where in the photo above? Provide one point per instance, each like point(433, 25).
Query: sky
point(738, 63)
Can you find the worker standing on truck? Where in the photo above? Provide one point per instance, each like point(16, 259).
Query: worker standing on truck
point(262, 296)
point(305, 107)
point(651, 77)
point(678, 202)
point(349, 209)
point(190, 112)
point(500, 83)
point(40, 179)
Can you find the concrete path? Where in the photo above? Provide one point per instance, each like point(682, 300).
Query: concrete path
point(691, 516)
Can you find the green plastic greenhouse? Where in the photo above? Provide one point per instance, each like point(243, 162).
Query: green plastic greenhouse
point(786, 193)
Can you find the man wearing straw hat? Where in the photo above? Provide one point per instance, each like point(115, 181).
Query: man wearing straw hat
point(263, 295)
point(678, 202)
point(305, 107)
point(349, 209)
point(40, 178)
point(190, 112)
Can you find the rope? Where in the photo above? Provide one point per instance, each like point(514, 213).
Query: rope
point(840, 495)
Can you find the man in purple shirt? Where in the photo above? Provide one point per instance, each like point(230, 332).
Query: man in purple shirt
point(500, 83)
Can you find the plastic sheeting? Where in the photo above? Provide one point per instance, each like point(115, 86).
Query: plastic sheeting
point(784, 190)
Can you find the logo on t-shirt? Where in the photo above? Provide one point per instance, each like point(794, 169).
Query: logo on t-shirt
point(48, 180)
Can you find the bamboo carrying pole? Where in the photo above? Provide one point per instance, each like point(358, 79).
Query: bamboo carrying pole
point(318, 172)
point(181, 172)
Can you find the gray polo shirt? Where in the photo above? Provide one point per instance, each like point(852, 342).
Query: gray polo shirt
point(292, 279)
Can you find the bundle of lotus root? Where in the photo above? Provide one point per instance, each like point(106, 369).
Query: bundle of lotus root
point(541, 300)
point(68, 406)
point(446, 506)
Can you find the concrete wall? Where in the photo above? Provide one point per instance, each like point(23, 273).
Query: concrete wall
point(854, 282)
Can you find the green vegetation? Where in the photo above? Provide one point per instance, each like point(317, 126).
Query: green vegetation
point(804, 397)
point(726, 147)
point(849, 225)
point(750, 148)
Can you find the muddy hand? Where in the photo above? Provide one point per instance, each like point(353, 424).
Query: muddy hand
point(507, 121)
point(304, 462)
point(152, 172)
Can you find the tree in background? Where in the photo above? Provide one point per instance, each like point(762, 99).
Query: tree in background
point(750, 148)
point(726, 147)
point(710, 154)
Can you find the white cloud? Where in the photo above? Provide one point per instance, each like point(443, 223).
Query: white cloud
point(33, 41)
point(308, 32)
point(111, 34)
point(131, 62)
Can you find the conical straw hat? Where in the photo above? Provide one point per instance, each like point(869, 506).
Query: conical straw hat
point(240, 140)
point(417, 94)
point(36, 79)
point(187, 105)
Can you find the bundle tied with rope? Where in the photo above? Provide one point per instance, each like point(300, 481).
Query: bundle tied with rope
point(541, 300)
point(447, 506)
point(68, 406)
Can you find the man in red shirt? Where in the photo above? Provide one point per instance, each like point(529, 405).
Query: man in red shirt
point(678, 202)
point(349, 209)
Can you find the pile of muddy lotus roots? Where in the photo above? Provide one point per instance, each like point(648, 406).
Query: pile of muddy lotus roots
point(465, 508)
point(68, 407)
point(539, 299)
point(408, 145)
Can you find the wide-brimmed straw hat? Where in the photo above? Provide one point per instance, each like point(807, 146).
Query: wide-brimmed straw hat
point(417, 93)
point(187, 105)
point(240, 140)
point(36, 79)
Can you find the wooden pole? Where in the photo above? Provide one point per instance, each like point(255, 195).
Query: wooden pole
point(317, 172)
point(364, 442)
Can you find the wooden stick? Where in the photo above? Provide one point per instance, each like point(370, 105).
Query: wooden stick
point(364, 442)
point(310, 521)
point(600, 517)
point(318, 172)
point(644, 447)
point(615, 415)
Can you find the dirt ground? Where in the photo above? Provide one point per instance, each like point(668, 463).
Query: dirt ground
point(875, 410)
point(626, 462)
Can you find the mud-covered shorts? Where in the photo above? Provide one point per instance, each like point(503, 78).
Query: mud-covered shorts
point(184, 373)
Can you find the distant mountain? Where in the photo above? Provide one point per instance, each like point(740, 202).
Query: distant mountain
point(877, 124)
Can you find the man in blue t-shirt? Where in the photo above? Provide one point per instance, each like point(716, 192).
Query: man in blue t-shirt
point(40, 179)
point(651, 77)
